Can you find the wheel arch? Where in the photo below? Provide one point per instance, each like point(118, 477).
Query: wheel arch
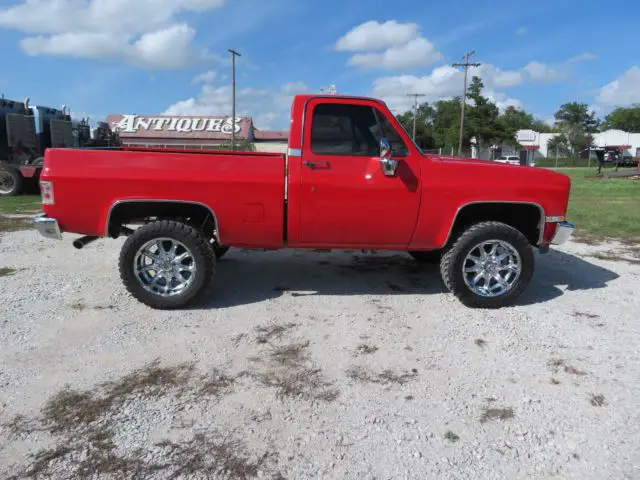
point(138, 210)
point(527, 217)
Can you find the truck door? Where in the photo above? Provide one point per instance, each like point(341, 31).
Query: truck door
point(345, 198)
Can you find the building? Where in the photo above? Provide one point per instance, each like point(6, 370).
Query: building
point(193, 132)
point(537, 142)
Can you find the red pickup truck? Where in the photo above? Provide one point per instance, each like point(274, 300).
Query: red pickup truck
point(352, 178)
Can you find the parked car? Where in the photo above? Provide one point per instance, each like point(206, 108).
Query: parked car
point(352, 178)
point(509, 159)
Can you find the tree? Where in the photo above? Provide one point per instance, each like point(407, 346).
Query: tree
point(516, 119)
point(484, 123)
point(541, 126)
point(576, 115)
point(559, 144)
point(623, 118)
point(424, 119)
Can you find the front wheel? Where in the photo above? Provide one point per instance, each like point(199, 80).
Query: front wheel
point(166, 264)
point(488, 266)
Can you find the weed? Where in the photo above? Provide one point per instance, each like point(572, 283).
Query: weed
point(78, 306)
point(480, 342)
point(452, 437)
point(216, 383)
point(615, 257)
point(365, 349)
point(597, 400)
point(361, 375)
point(555, 382)
point(491, 414)
point(273, 331)
point(5, 272)
point(585, 314)
point(573, 370)
point(292, 373)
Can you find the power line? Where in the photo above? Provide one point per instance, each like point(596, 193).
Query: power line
point(466, 64)
point(234, 54)
point(415, 110)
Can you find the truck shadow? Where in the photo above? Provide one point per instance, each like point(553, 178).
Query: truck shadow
point(245, 277)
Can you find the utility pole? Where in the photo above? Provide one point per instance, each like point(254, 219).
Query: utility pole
point(466, 64)
point(415, 110)
point(234, 54)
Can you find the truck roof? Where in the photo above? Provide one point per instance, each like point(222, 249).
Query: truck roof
point(309, 96)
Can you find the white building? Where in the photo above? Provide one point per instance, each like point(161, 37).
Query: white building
point(537, 142)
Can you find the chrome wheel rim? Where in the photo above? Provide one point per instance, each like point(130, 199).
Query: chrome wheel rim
point(165, 267)
point(492, 268)
point(7, 182)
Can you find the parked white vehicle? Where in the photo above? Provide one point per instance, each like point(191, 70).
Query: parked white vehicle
point(510, 159)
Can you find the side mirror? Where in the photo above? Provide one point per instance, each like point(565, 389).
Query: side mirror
point(387, 164)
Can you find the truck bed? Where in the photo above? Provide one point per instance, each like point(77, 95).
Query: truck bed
point(245, 190)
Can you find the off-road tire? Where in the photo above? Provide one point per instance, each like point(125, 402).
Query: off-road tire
point(455, 254)
point(193, 239)
point(432, 257)
point(16, 189)
point(220, 251)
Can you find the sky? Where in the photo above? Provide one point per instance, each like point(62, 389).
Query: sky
point(151, 57)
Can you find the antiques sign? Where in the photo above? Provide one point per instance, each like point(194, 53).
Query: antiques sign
point(134, 124)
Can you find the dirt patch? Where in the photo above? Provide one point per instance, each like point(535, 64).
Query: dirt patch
point(14, 224)
point(82, 424)
point(556, 363)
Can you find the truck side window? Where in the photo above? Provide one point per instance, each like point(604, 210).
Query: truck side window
point(338, 129)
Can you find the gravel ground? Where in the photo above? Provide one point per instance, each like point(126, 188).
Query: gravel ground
point(317, 365)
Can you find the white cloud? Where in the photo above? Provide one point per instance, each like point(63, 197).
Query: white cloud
point(372, 36)
point(418, 52)
point(206, 77)
point(443, 83)
point(388, 46)
point(522, 31)
point(501, 99)
point(583, 57)
point(496, 77)
point(269, 108)
point(145, 33)
point(622, 91)
point(541, 72)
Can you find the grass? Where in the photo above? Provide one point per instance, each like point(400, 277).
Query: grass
point(22, 204)
point(603, 207)
point(366, 349)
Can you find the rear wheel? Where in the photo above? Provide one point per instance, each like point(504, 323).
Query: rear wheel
point(488, 266)
point(10, 182)
point(167, 264)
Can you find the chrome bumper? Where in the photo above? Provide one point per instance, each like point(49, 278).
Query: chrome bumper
point(47, 227)
point(563, 233)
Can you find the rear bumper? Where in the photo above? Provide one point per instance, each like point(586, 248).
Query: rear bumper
point(47, 227)
point(564, 230)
